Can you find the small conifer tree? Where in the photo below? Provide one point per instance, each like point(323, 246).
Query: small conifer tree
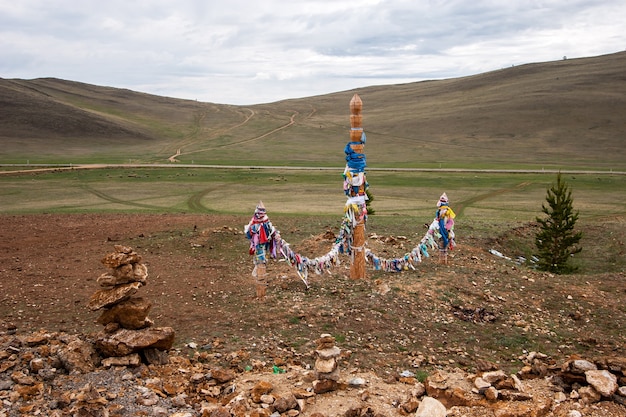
point(368, 202)
point(556, 240)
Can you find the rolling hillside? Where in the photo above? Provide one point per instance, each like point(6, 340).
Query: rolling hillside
point(561, 114)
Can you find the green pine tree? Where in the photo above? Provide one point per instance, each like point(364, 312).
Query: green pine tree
point(368, 202)
point(557, 241)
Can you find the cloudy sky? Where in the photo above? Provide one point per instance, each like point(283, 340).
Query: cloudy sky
point(258, 51)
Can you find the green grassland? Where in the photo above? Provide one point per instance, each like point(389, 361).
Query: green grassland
point(498, 196)
point(489, 205)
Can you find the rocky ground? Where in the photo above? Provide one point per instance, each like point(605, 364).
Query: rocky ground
point(480, 335)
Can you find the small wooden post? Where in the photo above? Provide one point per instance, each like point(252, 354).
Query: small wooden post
point(357, 268)
point(443, 256)
point(445, 219)
point(260, 232)
point(261, 281)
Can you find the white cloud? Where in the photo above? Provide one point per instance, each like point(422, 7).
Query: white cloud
point(246, 52)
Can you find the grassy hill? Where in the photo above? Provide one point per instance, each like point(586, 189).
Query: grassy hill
point(562, 114)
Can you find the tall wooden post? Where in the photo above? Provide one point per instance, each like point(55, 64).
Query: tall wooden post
point(357, 143)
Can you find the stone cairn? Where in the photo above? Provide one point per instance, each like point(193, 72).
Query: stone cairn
point(128, 336)
point(326, 370)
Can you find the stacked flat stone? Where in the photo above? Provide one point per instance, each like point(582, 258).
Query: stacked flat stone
point(128, 330)
point(326, 369)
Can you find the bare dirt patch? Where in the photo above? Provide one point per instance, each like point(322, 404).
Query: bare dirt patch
point(200, 284)
point(477, 309)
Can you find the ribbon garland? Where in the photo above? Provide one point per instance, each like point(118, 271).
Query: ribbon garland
point(408, 260)
point(262, 233)
point(321, 264)
point(265, 238)
point(441, 228)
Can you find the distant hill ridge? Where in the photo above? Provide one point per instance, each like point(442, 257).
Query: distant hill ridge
point(562, 112)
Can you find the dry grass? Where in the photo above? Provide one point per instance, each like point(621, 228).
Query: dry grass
point(562, 114)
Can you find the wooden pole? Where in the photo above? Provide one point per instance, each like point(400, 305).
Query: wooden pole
point(443, 256)
point(357, 268)
point(261, 281)
point(259, 231)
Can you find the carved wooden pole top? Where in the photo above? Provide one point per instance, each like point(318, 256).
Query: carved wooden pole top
point(356, 105)
point(356, 119)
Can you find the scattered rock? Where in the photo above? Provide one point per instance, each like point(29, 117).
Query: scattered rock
point(603, 381)
point(78, 356)
point(430, 407)
point(260, 389)
point(194, 387)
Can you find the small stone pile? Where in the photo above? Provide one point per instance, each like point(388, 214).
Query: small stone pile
point(326, 370)
point(128, 331)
